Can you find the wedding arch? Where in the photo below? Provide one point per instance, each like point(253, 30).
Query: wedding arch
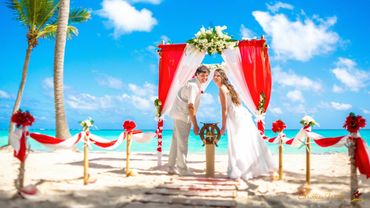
point(247, 66)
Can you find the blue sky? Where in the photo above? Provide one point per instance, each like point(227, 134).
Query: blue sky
point(319, 58)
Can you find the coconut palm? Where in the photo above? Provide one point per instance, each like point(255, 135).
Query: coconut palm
point(62, 130)
point(40, 19)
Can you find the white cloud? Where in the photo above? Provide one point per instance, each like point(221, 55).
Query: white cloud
point(4, 94)
point(139, 97)
point(208, 114)
point(346, 72)
point(109, 81)
point(276, 111)
point(246, 33)
point(146, 1)
point(124, 18)
point(295, 95)
point(207, 99)
point(279, 5)
point(142, 103)
point(299, 108)
point(165, 38)
point(299, 40)
point(337, 89)
point(48, 83)
point(366, 111)
point(293, 80)
point(90, 102)
point(340, 106)
point(147, 90)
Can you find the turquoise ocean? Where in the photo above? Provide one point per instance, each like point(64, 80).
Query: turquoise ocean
point(195, 144)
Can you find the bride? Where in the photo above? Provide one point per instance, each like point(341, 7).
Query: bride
point(248, 155)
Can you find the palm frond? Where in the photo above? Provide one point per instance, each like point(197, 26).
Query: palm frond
point(17, 9)
point(48, 14)
point(79, 15)
point(49, 31)
point(71, 31)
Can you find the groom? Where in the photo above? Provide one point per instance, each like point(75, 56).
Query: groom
point(183, 113)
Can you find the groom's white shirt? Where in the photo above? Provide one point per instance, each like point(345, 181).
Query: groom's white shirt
point(189, 93)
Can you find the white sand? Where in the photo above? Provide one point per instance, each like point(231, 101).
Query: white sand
point(58, 176)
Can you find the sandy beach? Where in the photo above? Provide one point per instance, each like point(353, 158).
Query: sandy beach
point(58, 176)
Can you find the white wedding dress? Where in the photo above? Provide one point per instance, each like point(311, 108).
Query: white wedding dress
point(248, 154)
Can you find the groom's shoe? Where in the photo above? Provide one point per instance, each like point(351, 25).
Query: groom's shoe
point(186, 172)
point(172, 171)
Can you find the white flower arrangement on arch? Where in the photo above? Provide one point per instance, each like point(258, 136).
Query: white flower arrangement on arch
point(212, 40)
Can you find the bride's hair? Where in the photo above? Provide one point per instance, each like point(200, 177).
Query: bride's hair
point(225, 81)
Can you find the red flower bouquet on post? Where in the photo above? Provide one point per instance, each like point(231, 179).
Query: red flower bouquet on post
point(22, 119)
point(278, 126)
point(354, 123)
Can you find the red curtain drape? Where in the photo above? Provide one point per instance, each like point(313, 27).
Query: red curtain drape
point(256, 69)
point(170, 56)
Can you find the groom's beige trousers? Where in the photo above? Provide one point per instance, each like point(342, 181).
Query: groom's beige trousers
point(179, 145)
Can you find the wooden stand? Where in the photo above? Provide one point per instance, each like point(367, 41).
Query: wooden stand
point(210, 160)
point(305, 189)
point(308, 162)
point(19, 183)
point(86, 161)
point(281, 159)
point(354, 179)
point(210, 134)
point(128, 143)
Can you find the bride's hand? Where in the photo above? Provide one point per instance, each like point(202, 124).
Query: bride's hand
point(222, 131)
point(196, 130)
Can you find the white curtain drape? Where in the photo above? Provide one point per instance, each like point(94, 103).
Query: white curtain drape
point(234, 72)
point(190, 60)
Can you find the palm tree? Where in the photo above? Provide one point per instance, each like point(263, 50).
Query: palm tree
point(62, 129)
point(40, 19)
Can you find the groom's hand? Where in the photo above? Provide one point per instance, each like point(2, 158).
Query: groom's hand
point(222, 131)
point(196, 130)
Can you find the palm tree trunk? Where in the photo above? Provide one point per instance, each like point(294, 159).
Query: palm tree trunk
point(62, 130)
point(21, 87)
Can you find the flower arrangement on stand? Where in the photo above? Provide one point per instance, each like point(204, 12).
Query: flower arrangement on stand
point(278, 127)
point(212, 40)
point(129, 127)
point(22, 120)
point(355, 145)
point(86, 124)
point(353, 123)
point(308, 121)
